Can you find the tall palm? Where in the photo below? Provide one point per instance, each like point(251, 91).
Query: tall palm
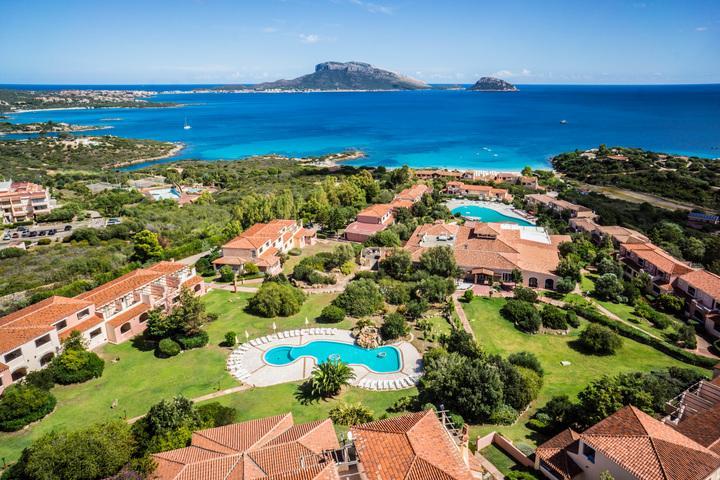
point(329, 377)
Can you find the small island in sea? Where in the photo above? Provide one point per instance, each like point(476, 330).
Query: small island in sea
point(492, 84)
point(338, 76)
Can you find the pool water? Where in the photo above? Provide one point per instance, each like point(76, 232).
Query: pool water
point(382, 360)
point(488, 215)
point(165, 194)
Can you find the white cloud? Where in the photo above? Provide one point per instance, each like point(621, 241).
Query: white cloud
point(509, 73)
point(700, 29)
point(373, 7)
point(309, 38)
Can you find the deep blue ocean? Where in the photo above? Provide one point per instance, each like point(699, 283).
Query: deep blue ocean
point(443, 128)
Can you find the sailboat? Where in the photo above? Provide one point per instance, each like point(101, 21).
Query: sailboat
point(187, 125)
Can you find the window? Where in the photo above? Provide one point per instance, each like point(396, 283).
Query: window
point(95, 332)
point(60, 325)
point(549, 284)
point(532, 282)
point(641, 262)
point(46, 358)
point(84, 313)
point(589, 452)
point(18, 374)
point(42, 340)
point(125, 327)
point(13, 355)
point(143, 317)
point(691, 291)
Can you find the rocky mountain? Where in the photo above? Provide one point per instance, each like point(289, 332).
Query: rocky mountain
point(492, 84)
point(342, 76)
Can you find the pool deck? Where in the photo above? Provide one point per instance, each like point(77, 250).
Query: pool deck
point(507, 210)
point(248, 365)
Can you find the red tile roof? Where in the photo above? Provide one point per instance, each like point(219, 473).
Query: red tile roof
point(655, 255)
point(414, 446)
point(705, 281)
point(81, 327)
point(128, 315)
point(365, 228)
point(120, 287)
point(377, 211)
point(553, 454)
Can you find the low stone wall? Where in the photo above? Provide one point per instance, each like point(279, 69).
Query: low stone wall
point(506, 446)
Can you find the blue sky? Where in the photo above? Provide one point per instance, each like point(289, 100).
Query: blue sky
point(247, 41)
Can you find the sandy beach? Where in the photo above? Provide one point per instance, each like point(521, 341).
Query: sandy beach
point(174, 151)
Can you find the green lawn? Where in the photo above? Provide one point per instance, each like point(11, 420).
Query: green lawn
point(277, 399)
point(503, 461)
point(306, 252)
point(139, 379)
point(497, 335)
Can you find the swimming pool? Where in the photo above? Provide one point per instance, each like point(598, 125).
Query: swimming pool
point(170, 193)
point(488, 215)
point(382, 360)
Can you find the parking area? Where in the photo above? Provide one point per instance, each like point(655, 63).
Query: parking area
point(53, 231)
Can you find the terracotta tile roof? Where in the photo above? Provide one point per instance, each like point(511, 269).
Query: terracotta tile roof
point(3, 367)
point(120, 287)
point(81, 327)
point(660, 258)
point(230, 261)
point(705, 281)
point(239, 437)
point(402, 203)
point(167, 267)
point(414, 446)
point(414, 192)
point(257, 235)
point(192, 281)
point(378, 211)
point(365, 228)
point(649, 449)
point(128, 315)
point(46, 312)
point(12, 338)
point(553, 454)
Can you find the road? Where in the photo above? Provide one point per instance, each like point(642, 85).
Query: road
point(15, 234)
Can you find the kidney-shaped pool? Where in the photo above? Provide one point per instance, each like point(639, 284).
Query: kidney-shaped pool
point(382, 360)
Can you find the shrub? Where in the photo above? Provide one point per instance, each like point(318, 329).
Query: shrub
point(22, 404)
point(44, 241)
point(350, 414)
point(565, 285)
point(332, 314)
point(670, 303)
point(527, 360)
point(250, 269)
point(275, 299)
point(230, 339)
point(216, 415)
point(226, 273)
point(468, 295)
point(76, 365)
point(329, 377)
point(599, 340)
point(523, 314)
point(44, 378)
point(608, 287)
point(572, 319)
point(168, 347)
point(319, 278)
point(348, 267)
point(416, 308)
point(394, 291)
point(504, 415)
point(12, 252)
point(188, 342)
point(360, 298)
point(294, 252)
point(525, 294)
point(686, 336)
point(554, 318)
point(394, 326)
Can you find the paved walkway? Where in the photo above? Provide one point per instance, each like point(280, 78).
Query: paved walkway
point(461, 314)
point(230, 287)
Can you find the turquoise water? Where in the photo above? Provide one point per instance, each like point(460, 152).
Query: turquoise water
point(382, 360)
point(166, 194)
point(478, 130)
point(488, 215)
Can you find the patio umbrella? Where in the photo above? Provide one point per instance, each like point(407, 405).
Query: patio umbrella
point(274, 326)
point(307, 322)
point(247, 335)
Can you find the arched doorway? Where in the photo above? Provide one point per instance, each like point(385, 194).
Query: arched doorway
point(532, 282)
point(19, 373)
point(549, 284)
point(143, 318)
point(125, 327)
point(45, 359)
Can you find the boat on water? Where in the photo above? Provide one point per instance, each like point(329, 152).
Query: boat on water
point(563, 122)
point(187, 125)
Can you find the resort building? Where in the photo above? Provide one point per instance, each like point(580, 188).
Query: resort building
point(261, 244)
point(616, 233)
point(489, 252)
point(22, 201)
point(663, 268)
point(701, 290)
point(410, 196)
point(112, 312)
point(182, 194)
point(631, 444)
point(416, 446)
point(483, 192)
point(370, 221)
point(558, 206)
point(442, 173)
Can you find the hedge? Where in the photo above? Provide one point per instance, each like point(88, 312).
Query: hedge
point(194, 341)
point(167, 348)
point(23, 404)
point(76, 366)
point(639, 336)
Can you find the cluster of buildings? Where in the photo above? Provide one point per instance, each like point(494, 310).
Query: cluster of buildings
point(377, 218)
point(483, 192)
point(418, 446)
point(113, 312)
point(514, 178)
point(489, 253)
point(262, 244)
point(560, 207)
point(22, 201)
point(630, 444)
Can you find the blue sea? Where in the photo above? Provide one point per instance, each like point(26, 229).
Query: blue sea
point(441, 128)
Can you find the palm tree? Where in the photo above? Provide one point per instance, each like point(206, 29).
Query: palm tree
point(329, 377)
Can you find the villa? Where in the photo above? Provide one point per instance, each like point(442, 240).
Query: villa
point(558, 206)
point(484, 192)
point(441, 173)
point(22, 201)
point(110, 313)
point(663, 268)
point(701, 290)
point(631, 444)
point(489, 252)
point(410, 196)
point(370, 221)
point(262, 243)
point(616, 233)
point(415, 446)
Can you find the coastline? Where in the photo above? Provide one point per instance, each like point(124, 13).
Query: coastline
point(89, 128)
point(174, 151)
point(56, 109)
